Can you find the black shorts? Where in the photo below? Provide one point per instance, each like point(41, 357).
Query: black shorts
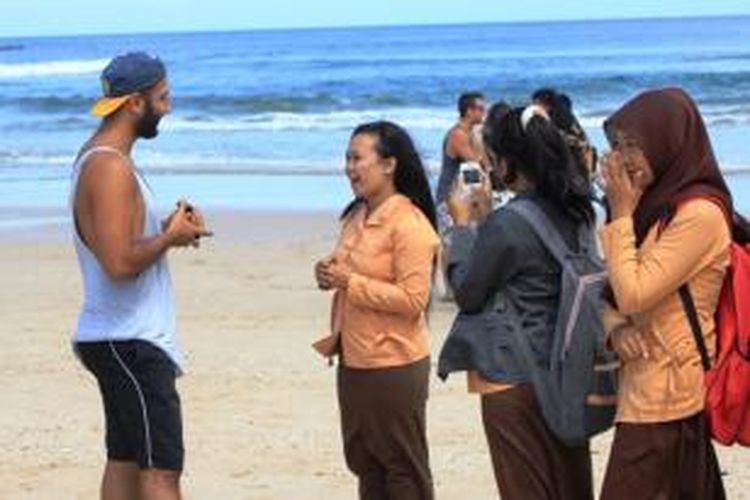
point(141, 404)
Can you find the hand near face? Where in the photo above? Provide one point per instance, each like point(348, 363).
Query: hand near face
point(623, 191)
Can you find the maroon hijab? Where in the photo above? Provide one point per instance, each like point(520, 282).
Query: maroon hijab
point(667, 126)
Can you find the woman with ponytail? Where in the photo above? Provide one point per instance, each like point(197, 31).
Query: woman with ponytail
point(381, 272)
point(506, 257)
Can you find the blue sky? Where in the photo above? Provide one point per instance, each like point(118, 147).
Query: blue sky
point(54, 17)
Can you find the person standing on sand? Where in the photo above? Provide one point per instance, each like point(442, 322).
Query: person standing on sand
point(668, 234)
point(126, 332)
point(381, 271)
point(496, 258)
point(462, 144)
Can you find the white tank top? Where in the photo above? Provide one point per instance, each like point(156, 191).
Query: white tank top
point(141, 308)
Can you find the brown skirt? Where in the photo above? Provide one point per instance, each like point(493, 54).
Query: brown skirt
point(530, 462)
point(665, 461)
point(383, 429)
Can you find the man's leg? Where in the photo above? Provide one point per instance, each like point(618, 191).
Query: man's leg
point(162, 459)
point(120, 481)
point(120, 478)
point(160, 484)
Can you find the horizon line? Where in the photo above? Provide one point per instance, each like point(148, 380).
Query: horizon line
point(379, 26)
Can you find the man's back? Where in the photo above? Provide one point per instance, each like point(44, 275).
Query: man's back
point(451, 160)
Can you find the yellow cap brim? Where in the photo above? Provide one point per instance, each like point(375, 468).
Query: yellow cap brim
point(108, 105)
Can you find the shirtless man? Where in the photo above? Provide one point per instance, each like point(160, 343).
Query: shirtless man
point(461, 143)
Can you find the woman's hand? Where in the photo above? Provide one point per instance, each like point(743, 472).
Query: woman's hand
point(330, 274)
point(628, 343)
point(622, 193)
point(470, 203)
point(322, 276)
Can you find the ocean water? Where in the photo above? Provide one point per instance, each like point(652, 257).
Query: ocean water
point(261, 118)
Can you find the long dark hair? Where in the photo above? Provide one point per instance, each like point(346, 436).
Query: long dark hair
point(410, 177)
point(560, 109)
point(539, 152)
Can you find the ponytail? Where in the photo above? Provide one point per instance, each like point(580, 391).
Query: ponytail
point(533, 146)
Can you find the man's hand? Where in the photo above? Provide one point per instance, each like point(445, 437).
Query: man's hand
point(185, 226)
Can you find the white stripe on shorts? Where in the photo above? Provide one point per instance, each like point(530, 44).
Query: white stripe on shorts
point(144, 409)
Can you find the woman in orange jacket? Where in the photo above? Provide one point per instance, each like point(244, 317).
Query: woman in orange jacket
point(669, 226)
point(381, 271)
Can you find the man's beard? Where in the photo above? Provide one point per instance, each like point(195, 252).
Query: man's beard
point(148, 126)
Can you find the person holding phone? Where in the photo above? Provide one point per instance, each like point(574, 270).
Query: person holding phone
point(496, 252)
point(381, 273)
point(126, 334)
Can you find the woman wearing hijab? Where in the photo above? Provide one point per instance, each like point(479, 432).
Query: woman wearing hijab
point(381, 271)
point(670, 219)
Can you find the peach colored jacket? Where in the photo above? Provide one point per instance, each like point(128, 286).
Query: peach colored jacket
point(380, 317)
point(693, 248)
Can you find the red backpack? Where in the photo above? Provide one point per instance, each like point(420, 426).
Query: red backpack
point(728, 380)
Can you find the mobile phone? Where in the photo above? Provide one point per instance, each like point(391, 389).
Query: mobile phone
point(470, 174)
point(188, 206)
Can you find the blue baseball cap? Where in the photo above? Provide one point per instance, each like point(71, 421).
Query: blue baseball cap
point(125, 75)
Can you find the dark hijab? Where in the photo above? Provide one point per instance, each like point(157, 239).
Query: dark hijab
point(666, 125)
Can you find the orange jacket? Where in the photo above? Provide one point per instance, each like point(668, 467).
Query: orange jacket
point(693, 249)
point(391, 254)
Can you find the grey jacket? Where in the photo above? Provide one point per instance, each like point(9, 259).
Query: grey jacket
point(505, 256)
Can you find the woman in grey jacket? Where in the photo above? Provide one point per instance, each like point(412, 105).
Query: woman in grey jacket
point(505, 255)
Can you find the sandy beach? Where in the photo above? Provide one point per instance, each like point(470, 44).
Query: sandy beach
point(260, 410)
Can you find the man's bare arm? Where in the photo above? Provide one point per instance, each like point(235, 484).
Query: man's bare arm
point(107, 214)
point(460, 146)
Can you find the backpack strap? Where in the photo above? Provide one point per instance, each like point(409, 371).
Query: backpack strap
point(687, 303)
point(542, 226)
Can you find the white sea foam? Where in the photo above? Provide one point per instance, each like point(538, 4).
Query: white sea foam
point(18, 165)
point(417, 118)
point(50, 68)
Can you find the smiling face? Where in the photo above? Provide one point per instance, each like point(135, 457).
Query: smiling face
point(636, 164)
point(371, 177)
